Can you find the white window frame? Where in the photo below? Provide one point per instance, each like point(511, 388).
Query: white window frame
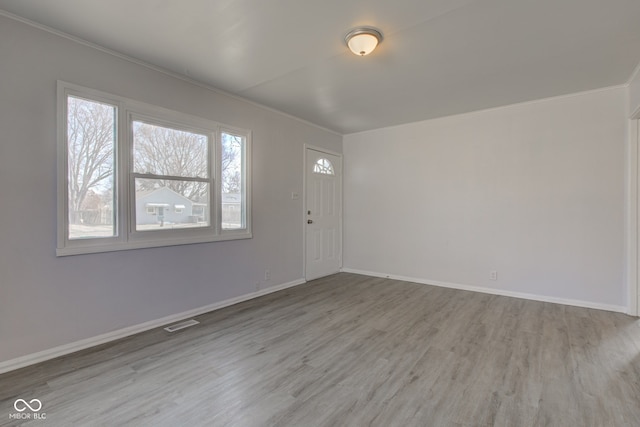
point(127, 237)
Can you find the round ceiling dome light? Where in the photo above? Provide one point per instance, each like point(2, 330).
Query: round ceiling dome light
point(363, 40)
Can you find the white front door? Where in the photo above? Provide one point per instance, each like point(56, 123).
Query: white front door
point(323, 213)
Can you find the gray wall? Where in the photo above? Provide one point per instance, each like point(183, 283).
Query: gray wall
point(47, 301)
point(534, 191)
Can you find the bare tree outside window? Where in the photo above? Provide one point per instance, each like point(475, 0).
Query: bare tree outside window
point(91, 139)
point(164, 151)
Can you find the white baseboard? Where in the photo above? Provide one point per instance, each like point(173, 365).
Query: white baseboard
point(522, 295)
point(62, 350)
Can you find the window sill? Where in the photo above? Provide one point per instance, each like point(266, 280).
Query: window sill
point(126, 246)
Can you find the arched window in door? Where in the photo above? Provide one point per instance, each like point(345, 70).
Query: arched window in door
point(323, 166)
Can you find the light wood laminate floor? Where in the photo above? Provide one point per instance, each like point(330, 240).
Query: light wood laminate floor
point(350, 350)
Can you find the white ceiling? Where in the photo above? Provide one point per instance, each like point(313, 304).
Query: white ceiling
point(439, 57)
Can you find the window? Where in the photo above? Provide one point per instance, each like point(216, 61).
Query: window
point(198, 210)
point(232, 182)
point(132, 175)
point(323, 166)
point(170, 167)
point(91, 147)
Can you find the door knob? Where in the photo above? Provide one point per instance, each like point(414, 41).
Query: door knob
point(309, 221)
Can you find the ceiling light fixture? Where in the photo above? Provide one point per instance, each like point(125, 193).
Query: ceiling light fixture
point(363, 40)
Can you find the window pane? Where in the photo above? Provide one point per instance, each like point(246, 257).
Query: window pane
point(233, 197)
point(163, 204)
point(323, 166)
point(163, 151)
point(91, 139)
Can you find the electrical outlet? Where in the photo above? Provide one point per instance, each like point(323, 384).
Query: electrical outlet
point(267, 275)
point(493, 275)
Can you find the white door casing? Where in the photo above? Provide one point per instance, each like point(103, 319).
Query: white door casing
point(634, 216)
point(323, 213)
